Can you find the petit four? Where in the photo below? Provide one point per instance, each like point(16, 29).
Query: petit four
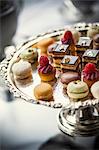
point(58, 53)
point(90, 74)
point(82, 28)
point(22, 71)
point(77, 90)
point(67, 77)
point(95, 90)
point(76, 35)
point(67, 38)
point(50, 51)
point(43, 45)
point(91, 56)
point(51, 48)
point(30, 54)
point(43, 92)
point(83, 44)
point(92, 31)
point(96, 42)
point(45, 70)
point(70, 63)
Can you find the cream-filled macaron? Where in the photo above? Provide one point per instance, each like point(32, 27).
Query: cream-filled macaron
point(95, 90)
point(77, 90)
point(44, 92)
point(30, 55)
point(22, 70)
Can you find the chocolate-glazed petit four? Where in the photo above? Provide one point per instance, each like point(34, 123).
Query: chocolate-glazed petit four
point(70, 63)
point(83, 44)
point(58, 53)
point(96, 42)
point(50, 51)
point(91, 56)
point(51, 48)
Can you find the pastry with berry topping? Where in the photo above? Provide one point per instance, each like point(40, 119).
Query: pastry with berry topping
point(45, 70)
point(91, 56)
point(68, 39)
point(90, 74)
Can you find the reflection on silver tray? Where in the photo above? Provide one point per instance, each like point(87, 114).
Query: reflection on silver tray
point(26, 92)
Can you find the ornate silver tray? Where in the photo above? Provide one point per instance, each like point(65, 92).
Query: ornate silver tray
point(26, 92)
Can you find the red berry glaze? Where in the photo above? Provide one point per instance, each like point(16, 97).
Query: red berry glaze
point(90, 72)
point(90, 68)
point(67, 38)
point(43, 61)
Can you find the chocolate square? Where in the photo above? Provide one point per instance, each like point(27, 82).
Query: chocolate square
point(91, 53)
point(61, 48)
point(84, 42)
point(52, 47)
point(69, 60)
point(91, 56)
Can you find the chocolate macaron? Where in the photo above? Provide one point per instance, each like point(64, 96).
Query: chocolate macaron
point(67, 77)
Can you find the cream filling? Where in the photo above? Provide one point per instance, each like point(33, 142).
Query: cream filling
point(45, 97)
point(77, 96)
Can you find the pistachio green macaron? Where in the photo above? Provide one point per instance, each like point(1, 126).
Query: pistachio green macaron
point(29, 54)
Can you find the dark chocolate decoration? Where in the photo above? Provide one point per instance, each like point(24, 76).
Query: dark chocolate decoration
point(72, 59)
point(83, 41)
point(61, 48)
point(91, 53)
point(52, 47)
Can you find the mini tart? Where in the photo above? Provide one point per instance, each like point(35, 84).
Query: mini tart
point(77, 90)
point(90, 74)
point(48, 76)
point(44, 92)
point(45, 70)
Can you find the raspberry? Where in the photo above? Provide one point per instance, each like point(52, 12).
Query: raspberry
point(67, 38)
point(43, 61)
point(89, 68)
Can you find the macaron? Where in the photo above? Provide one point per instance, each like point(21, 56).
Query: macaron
point(22, 70)
point(77, 90)
point(43, 92)
point(92, 31)
point(30, 54)
point(96, 41)
point(67, 77)
point(95, 90)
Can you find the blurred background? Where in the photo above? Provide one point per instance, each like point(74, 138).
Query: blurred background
point(25, 126)
point(20, 19)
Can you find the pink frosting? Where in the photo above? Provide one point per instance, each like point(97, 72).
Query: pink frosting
point(91, 75)
point(90, 72)
point(46, 69)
